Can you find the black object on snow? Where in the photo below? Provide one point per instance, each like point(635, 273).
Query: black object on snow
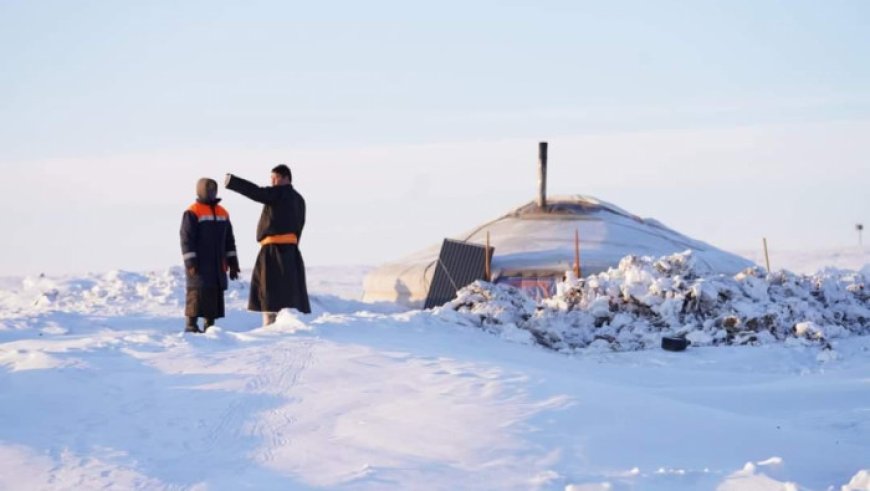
point(670, 343)
point(459, 264)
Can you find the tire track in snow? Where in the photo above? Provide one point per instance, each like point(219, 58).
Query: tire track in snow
point(243, 424)
point(283, 368)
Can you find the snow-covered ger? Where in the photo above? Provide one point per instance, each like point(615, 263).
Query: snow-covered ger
point(534, 246)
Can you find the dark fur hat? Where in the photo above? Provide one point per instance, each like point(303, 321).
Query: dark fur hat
point(206, 189)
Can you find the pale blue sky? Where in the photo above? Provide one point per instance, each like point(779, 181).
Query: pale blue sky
point(111, 110)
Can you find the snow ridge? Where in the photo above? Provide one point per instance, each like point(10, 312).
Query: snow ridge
point(633, 306)
point(116, 292)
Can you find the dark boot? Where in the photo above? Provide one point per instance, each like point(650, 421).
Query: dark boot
point(192, 325)
point(208, 323)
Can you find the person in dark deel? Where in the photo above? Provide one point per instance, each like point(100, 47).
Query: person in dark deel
point(278, 280)
point(209, 250)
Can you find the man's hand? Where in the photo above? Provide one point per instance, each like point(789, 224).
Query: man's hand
point(191, 271)
point(234, 273)
point(227, 179)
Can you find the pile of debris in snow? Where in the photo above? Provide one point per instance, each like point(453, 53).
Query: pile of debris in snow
point(633, 306)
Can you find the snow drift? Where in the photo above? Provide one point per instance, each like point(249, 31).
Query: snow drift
point(632, 306)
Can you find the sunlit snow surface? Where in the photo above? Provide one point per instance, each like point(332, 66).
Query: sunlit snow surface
point(101, 390)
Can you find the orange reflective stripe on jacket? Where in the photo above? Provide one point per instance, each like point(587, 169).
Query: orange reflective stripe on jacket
point(280, 239)
point(204, 212)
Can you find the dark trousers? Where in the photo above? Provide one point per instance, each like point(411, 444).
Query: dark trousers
point(204, 302)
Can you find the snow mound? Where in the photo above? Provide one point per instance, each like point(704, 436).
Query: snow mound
point(113, 293)
point(633, 306)
point(749, 479)
point(860, 482)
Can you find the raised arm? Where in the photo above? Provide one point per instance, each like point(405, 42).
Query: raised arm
point(265, 195)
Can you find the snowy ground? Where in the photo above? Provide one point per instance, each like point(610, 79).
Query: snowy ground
point(98, 389)
point(809, 262)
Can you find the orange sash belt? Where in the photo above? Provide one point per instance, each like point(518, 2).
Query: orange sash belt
point(280, 239)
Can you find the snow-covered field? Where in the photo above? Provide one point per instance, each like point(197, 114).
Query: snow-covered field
point(99, 389)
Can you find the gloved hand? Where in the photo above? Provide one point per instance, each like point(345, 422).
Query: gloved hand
point(191, 271)
point(234, 273)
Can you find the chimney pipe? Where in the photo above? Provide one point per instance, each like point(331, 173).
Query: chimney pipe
point(542, 174)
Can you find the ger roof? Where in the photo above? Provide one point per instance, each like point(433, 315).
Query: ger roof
point(531, 240)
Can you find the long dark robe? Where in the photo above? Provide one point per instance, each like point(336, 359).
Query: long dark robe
point(278, 280)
